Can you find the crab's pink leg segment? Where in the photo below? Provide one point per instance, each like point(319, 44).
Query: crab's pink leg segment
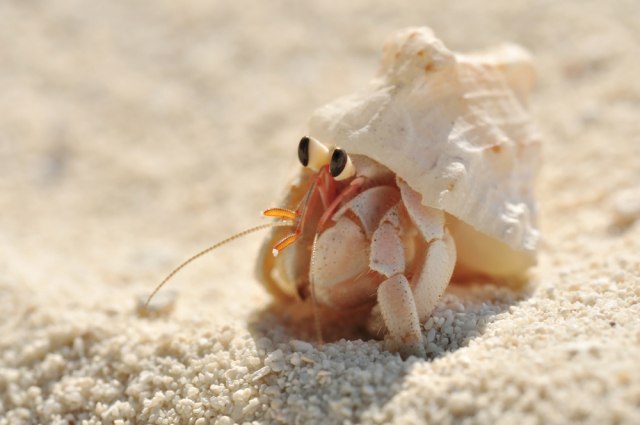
point(346, 194)
point(399, 313)
point(326, 188)
point(435, 275)
point(387, 252)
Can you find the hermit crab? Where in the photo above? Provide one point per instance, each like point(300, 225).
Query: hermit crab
point(425, 175)
point(427, 172)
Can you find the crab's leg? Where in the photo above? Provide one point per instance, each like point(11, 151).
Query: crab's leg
point(435, 273)
point(405, 305)
point(400, 316)
point(432, 280)
point(350, 191)
point(395, 298)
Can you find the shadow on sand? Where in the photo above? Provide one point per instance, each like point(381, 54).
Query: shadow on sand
point(349, 376)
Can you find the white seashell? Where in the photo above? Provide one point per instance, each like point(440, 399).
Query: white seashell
point(453, 126)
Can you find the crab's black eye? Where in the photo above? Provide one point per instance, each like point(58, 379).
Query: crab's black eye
point(312, 153)
point(340, 165)
point(303, 151)
point(338, 162)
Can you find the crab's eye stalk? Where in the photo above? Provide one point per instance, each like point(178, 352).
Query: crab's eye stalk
point(341, 167)
point(312, 153)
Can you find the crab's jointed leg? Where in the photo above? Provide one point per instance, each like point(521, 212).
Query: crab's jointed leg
point(398, 309)
point(403, 304)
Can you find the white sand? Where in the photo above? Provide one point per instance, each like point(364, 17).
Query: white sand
point(135, 133)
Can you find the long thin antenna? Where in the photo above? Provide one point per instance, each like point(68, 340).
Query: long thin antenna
point(314, 301)
point(211, 248)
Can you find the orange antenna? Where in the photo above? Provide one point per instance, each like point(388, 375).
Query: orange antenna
point(283, 213)
point(211, 248)
point(299, 216)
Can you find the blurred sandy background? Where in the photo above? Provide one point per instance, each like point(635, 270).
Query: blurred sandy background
point(133, 134)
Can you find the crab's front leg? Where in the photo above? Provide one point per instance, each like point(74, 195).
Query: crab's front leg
point(405, 304)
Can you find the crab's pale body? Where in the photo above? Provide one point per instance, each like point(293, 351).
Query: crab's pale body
point(445, 156)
